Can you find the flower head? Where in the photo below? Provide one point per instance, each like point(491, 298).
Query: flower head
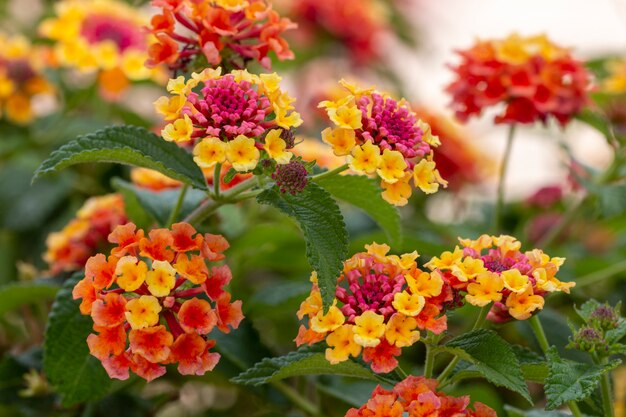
point(154, 301)
point(102, 36)
point(530, 77)
point(492, 269)
point(230, 33)
point(291, 178)
point(383, 136)
point(382, 303)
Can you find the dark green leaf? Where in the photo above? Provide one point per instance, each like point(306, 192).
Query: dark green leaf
point(73, 372)
point(586, 309)
point(612, 199)
point(617, 334)
point(515, 412)
point(16, 294)
point(128, 145)
point(364, 193)
point(324, 231)
point(571, 381)
point(492, 357)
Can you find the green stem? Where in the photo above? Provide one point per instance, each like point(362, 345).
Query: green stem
point(217, 180)
point(400, 372)
point(497, 218)
point(297, 399)
point(429, 363)
point(179, 204)
point(229, 196)
point(480, 320)
point(607, 400)
point(540, 334)
point(601, 275)
point(330, 173)
point(555, 232)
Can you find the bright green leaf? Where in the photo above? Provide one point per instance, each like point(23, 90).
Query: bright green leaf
point(571, 381)
point(364, 193)
point(324, 231)
point(73, 372)
point(16, 294)
point(130, 145)
point(492, 357)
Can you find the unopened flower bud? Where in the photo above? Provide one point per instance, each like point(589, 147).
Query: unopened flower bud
point(291, 178)
point(588, 339)
point(605, 317)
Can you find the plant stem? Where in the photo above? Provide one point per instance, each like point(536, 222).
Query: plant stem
point(558, 228)
point(297, 399)
point(217, 179)
point(601, 275)
point(497, 218)
point(540, 334)
point(605, 387)
point(330, 173)
point(400, 372)
point(179, 204)
point(228, 196)
point(429, 363)
point(480, 320)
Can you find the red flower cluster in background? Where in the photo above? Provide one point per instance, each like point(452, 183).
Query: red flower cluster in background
point(418, 396)
point(531, 77)
point(234, 31)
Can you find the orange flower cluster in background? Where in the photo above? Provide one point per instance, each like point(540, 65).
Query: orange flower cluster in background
point(382, 302)
point(418, 396)
point(85, 235)
point(154, 301)
point(230, 33)
point(102, 36)
point(21, 78)
point(155, 181)
point(530, 77)
point(357, 24)
point(492, 269)
point(382, 136)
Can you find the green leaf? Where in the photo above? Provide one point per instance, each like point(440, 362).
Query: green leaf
point(159, 204)
point(229, 175)
point(516, 412)
point(617, 334)
point(301, 362)
point(492, 357)
point(364, 193)
point(71, 370)
point(586, 309)
point(16, 294)
point(612, 199)
point(571, 381)
point(534, 367)
point(324, 231)
point(130, 145)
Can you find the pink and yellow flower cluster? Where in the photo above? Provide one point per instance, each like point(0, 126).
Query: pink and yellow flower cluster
point(221, 32)
point(530, 77)
point(492, 269)
point(417, 396)
point(106, 37)
point(154, 301)
point(382, 136)
point(238, 118)
point(69, 249)
point(22, 78)
point(382, 302)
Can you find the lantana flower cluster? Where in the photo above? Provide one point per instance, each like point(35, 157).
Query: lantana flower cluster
point(22, 80)
point(492, 269)
point(236, 118)
point(69, 248)
point(530, 77)
point(615, 80)
point(418, 396)
point(382, 302)
point(223, 32)
point(102, 36)
point(155, 301)
point(382, 136)
point(155, 181)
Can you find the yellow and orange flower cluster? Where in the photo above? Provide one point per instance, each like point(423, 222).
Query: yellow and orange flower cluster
point(221, 32)
point(154, 301)
point(531, 77)
point(418, 396)
point(615, 81)
point(22, 80)
point(102, 36)
point(492, 269)
point(238, 118)
point(382, 136)
point(69, 249)
point(381, 304)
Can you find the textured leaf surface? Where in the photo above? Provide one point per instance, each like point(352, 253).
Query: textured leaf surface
point(159, 204)
point(364, 193)
point(324, 231)
point(16, 294)
point(302, 362)
point(515, 412)
point(128, 145)
point(492, 357)
point(571, 381)
point(71, 370)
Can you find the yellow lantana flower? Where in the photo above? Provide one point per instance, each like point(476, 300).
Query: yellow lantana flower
point(514, 280)
point(275, 147)
point(209, 152)
point(401, 331)
point(408, 304)
point(341, 140)
point(392, 166)
point(369, 328)
point(328, 322)
point(468, 268)
point(365, 159)
point(426, 176)
point(143, 312)
point(425, 284)
point(447, 260)
point(178, 131)
point(522, 305)
point(130, 273)
point(487, 288)
point(161, 279)
point(242, 153)
point(342, 345)
point(399, 192)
